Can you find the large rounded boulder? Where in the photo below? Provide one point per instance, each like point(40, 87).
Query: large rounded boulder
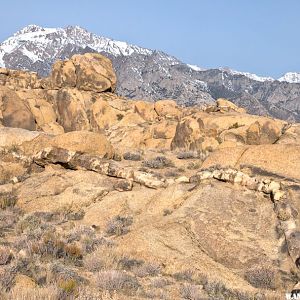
point(88, 72)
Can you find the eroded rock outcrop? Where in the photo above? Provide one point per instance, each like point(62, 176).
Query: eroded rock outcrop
point(210, 195)
point(88, 72)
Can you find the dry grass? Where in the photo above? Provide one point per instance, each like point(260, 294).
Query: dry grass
point(114, 280)
point(40, 293)
point(105, 257)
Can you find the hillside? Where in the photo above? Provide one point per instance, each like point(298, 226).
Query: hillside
point(152, 75)
point(103, 197)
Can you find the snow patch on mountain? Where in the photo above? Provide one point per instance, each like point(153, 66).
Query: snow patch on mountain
point(291, 77)
point(196, 68)
point(247, 74)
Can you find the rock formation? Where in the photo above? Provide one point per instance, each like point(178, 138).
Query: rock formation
point(110, 198)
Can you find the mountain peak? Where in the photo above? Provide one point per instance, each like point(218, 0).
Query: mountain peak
point(28, 29)
point(291, 77)
point(35, 43)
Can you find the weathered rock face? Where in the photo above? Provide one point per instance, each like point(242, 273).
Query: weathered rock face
point(282, 160)
point(189, 135)
point(226, 106)
point(85, 142)
point(88, 72)
point(18, 79)
point(210, 195)
point(15, 112)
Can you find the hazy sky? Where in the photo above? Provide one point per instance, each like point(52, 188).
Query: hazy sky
point(259, 36)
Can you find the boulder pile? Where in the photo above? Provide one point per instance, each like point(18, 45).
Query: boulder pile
point(103, 197)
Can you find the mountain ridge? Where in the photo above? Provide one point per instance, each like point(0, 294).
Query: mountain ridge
point(151, 74)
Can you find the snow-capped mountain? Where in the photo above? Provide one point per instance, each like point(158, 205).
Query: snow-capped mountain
point(150, 74)
point(33, 41)
point(291, 77)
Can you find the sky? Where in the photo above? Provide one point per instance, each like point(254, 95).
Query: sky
point(257, 36)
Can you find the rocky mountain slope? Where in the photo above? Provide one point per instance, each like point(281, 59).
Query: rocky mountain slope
point(152, 75)
point(103, 197)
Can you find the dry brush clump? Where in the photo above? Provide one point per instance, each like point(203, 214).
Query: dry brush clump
point(184, 275)
point(115, 280)
point(193, 165)
point(118, 225)
point(5, 255)
point(159, 282)
point(191, 292)
point(7, 200)
point(134, 156)
point(263, 277)
point(147, 269)
point(158, 162)
point(188, 154)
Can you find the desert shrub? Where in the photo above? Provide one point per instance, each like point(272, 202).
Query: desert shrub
point(193, 165)
point(148, 269)
point(127, 263)
point(7, 276)
point(5, 256)
point(73, 251)
point(185, 275)
point(217, 289)
point(67, 288)
point(76, 215)
point(155, 294)
point(261, 277)
point(187, 155)
point(51, 245)
point(28, 223)
point(167, 212)
point(105, 257)
point(91, 243)
point(159, 282)
point(78, 233)
point(190, 292)
point(158, 162)
point(114, 280)
point(7, 200)
point(134, 156)
point(59, 272)
point(93, 262)
point(87, 237)
point(27, 267)
point(120, 117)
point(8, 218)
point(118, 225)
